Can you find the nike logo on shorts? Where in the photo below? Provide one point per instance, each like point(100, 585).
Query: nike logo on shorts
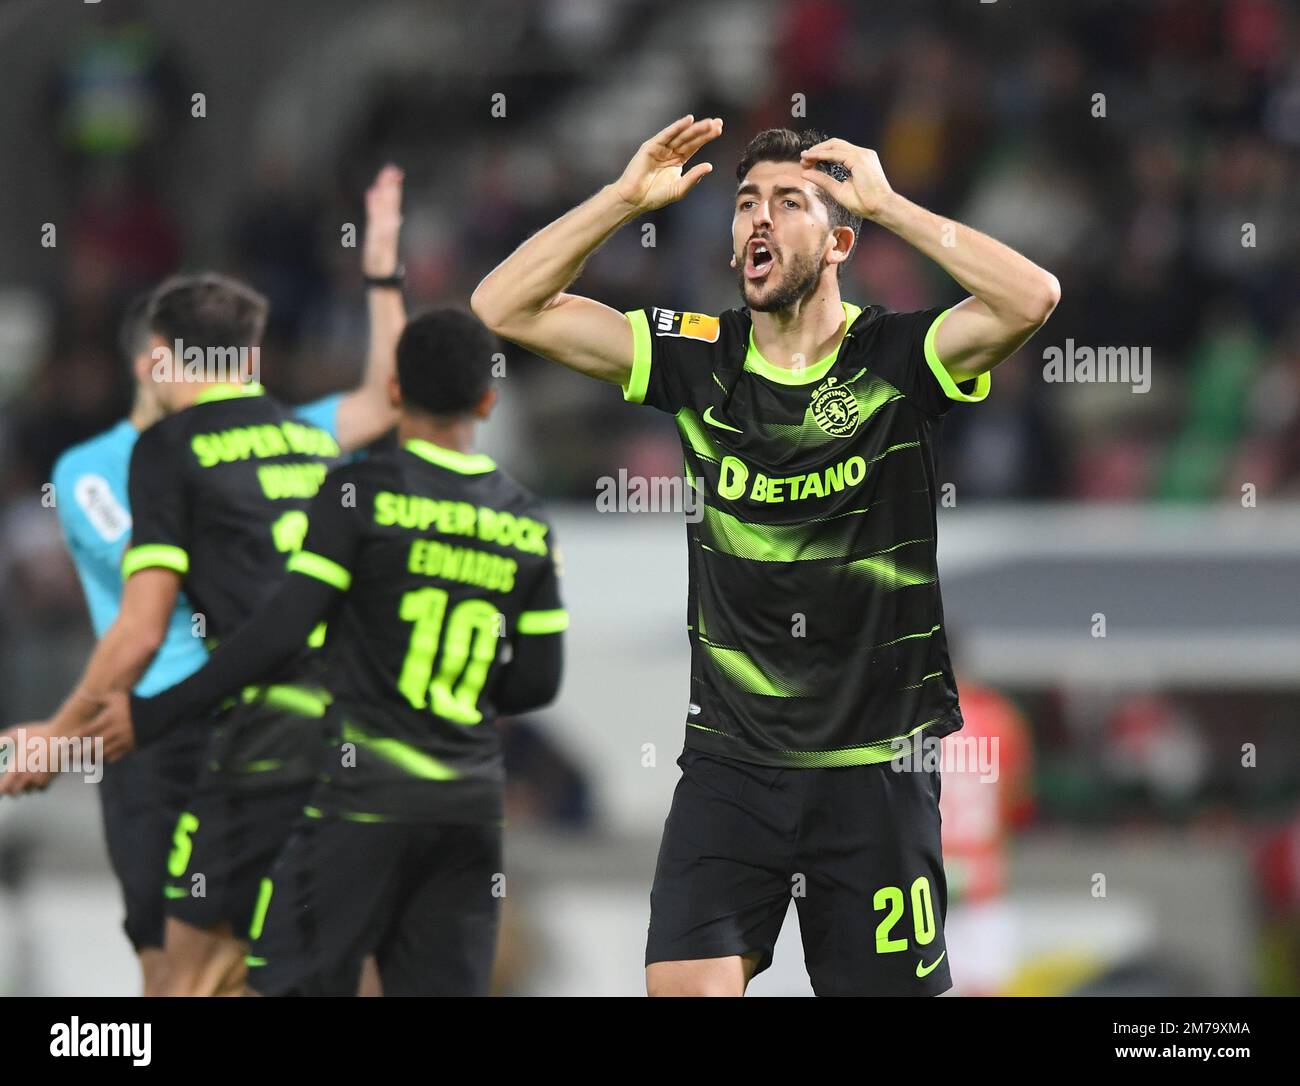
point(925, 970)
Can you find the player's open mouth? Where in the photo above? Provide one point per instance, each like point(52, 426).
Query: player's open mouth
point(759, 259)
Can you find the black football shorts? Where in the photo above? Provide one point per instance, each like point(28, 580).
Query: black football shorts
point(422, 898)
point(141, 797)
point(224, 843)
point(236, 821)
point(857, 847)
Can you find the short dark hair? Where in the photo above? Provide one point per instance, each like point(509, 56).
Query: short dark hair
point(786, 145)
point(444, 362)
point(208, 311)
point(133, 332)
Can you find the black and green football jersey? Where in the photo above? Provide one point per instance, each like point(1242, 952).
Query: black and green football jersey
point(447, 568)
point(219, 493)
point(814, 614)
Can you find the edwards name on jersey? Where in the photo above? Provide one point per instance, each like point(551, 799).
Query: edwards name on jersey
point(445, 563)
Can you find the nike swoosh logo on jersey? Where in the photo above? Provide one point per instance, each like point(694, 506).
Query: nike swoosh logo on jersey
point(708, 417)
point(926, 970)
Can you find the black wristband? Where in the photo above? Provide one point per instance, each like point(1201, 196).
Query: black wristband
point(386, 282)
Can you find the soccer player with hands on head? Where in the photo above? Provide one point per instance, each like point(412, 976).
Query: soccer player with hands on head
point(818, 655)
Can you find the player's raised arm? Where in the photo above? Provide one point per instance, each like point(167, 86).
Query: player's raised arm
point(366, 413)
point(1012, 297)
point(523, 299)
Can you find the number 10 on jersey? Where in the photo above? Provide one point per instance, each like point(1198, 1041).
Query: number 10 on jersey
point(468, 638)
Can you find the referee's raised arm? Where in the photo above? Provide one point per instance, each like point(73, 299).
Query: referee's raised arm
point(523, 299)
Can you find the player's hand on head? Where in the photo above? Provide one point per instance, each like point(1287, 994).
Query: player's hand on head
point(655, 176)
point(383, 222)
point(861, 185)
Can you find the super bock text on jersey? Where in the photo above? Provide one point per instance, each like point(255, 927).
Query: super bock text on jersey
point(446, 564)
point(219, 493)
point(449, 612)
point(144, 793)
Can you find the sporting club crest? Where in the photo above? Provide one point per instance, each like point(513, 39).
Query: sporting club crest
point(835, 409)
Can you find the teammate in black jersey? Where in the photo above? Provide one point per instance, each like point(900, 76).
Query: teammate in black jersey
point(144, 794)
point(437, 575)
point(808, 427)
point(218, 493)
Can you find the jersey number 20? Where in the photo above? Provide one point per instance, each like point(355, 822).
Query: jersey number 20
point(891, 898)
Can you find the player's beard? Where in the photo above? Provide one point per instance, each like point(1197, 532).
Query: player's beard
point(798, 280)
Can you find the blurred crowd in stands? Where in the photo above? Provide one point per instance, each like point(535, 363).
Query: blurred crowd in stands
point(1146, 153)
